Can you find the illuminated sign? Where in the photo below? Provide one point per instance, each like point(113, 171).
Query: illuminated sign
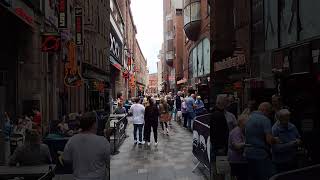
point(62, 18)
point(229, 63)
point(22, 14)
point(72, 75)
point(50, 43)
point(79, 21)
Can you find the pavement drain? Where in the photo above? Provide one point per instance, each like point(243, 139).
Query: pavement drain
point(141, 171)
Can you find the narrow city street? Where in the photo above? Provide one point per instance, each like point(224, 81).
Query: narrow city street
point(171, 159)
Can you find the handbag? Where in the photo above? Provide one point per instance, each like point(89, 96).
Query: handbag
point(165, 117)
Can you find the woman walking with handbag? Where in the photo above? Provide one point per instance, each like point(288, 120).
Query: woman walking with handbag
point(164, 116)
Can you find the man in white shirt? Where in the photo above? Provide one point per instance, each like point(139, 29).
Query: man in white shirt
point(88, 153)
point(137, 112)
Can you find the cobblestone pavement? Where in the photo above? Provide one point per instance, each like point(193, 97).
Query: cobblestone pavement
point(172, 159)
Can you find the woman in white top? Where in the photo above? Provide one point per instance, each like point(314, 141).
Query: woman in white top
point(137, 113)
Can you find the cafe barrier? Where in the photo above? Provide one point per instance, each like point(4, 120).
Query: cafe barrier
point(119, 132)
point(201, 139)
point(307, 173)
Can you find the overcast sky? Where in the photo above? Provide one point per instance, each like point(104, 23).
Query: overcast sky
point(148, 17)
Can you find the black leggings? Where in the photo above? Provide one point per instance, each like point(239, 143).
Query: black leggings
point(165, 123)
point(147, 131)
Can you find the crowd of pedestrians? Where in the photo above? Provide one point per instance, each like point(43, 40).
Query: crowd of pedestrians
point(149, 112)
point(259, 143)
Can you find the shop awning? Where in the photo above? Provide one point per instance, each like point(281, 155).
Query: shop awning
point(182, 81)
point(115, 63)
point(89, 74)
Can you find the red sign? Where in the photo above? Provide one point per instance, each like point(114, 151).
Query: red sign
point(22, 14)
point(79, 34)
point(62, 14)
point(50, 43)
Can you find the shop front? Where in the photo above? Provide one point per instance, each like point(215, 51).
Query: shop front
point(296, 72)
point(17, 51)
point(116, 61)
point(96, 89)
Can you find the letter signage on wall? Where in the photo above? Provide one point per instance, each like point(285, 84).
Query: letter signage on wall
point(62, 14)
point(230, 62)
point(115, 46)
point(79, 22)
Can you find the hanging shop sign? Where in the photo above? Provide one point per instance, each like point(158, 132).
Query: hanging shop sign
point(125, 73)
point(72, 75)
point(230, 62)
point(62, 18)
point(50, 42)
point(79, 25)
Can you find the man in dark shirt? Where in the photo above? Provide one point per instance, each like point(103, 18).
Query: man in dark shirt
point(32, 153)
point(219, 133)
point(233, 106)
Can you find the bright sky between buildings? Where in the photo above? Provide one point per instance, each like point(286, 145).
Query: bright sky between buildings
point(148, 17)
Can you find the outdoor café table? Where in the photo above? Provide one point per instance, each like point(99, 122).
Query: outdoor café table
point(57, 143)
point(32, 172)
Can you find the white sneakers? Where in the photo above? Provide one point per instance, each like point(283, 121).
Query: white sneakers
point(149, 143)
point(156, 143)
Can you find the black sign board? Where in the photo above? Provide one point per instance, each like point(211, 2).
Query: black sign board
point(115, 46)
point(79, 24)
point(62, 18)
point(201, 139)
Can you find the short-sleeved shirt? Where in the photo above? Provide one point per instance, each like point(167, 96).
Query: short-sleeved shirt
point(257, 127)
point(89, 155)
point(31, 155)
point(190, 103)
point(137, 111)
point(119, 110)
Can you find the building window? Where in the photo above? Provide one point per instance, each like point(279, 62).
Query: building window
point(199, 59)
point(192, 11)
point(178, 12)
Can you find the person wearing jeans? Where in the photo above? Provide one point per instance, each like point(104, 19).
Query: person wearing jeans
point(184, 113)
point(137, 112)
point(139, 128)
point(190, 102)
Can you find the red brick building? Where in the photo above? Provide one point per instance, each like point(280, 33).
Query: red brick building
point(153, 83)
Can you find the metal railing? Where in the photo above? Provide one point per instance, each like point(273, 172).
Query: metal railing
point(307, 173)
point(118, 125)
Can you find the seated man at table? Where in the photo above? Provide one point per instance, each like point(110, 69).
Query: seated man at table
point(88, 153)
point(32, 153)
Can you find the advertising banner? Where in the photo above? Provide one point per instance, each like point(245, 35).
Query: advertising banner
point(79, 24)
point(62, 18)
point(201, 139)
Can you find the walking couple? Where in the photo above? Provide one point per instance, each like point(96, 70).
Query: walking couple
point(146, 118)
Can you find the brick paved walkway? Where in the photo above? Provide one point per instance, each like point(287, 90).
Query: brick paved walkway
point(171, 160)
